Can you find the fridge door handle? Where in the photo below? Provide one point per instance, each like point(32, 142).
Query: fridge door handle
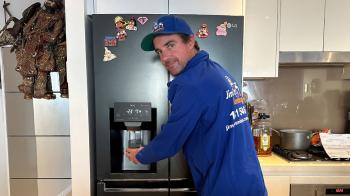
point(182, 190)
point(136, 190)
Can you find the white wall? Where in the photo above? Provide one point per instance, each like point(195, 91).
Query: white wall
point(4, 175)
point(77, 71)
point(4, 169)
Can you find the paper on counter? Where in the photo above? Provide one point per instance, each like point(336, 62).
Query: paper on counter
point(336, 145)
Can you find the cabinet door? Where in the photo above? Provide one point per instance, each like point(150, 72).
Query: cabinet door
point(131, 7)
point(260, 56)
point(277, 185)
point(39, 157)
point(302, 25)
point(206, 7)
point(337, 28)
point(51, 117)
point(19, 115)
point(11, 78)
point(40, 187)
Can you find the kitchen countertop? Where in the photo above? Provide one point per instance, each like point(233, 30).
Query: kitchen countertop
point(331, 172)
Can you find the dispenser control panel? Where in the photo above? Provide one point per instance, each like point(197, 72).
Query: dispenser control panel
point(132, 112)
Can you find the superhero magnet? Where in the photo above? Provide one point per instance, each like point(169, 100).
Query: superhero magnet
point(121, 35)
point(203, 31)
point(108, 56)
point(221, 29)
point(131, 26)
point(142, 19)
point(110, 41)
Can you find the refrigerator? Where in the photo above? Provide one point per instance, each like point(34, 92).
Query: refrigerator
point(128, 80)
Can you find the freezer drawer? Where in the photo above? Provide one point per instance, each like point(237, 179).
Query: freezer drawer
point(132, 189)
point(182, 187)
point(183, 192)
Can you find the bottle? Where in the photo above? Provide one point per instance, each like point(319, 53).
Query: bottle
point(262, 133)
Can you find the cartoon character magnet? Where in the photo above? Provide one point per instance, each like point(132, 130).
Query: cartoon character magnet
point(203, 31)
point(119, 22)
point(142, 19)
point(131, 26)
point(110, 41)
point(221, 29)
point(121, 35)
point(108, 56)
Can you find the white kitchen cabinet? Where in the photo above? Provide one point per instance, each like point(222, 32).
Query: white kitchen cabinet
point(337, 28)
point(206, 7)
point(40, 187)
point(39, 157)
point(131, 7)
point(261, 35)
point(277, 185)
point(11, 78)
point(51, 117)
point(19, 115)
point(302, 24)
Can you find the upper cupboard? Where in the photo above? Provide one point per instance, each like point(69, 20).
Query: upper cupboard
point(315, 25)
point(205, 7)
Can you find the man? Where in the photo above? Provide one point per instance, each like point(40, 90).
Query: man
point(208, 117)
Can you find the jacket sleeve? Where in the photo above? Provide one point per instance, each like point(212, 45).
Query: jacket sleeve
point(185, 113)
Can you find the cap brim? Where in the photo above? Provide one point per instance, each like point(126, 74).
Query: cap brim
point(147, 42)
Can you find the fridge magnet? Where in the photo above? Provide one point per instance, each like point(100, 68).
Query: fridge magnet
point(108, 56)
point(119, 22)
point(131, 26)
point(110, 41)
point(142, 19)
point(158, 27)
point(221, 29)
point(203, 31)
point(121, 35)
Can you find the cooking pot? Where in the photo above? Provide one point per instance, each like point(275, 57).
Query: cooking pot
point(295, 139)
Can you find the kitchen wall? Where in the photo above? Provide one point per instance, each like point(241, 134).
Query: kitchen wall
point(4, 171)
point(305, 97)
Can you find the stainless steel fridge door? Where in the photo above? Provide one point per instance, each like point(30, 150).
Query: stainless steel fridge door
point(134, 76)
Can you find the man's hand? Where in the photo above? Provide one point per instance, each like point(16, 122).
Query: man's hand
point(131, 154)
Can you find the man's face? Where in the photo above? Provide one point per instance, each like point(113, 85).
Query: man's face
point(173, 52)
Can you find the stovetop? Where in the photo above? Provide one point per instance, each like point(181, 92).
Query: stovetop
point(311, 154)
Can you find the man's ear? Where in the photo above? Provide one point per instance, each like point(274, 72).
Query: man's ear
point(191, 41)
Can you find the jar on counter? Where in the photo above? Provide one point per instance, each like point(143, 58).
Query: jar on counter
point(259, 106)
point(262, 133)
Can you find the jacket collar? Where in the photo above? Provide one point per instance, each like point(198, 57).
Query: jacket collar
point(200, 56)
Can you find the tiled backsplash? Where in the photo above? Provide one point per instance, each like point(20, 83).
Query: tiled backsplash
point(305, 97)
